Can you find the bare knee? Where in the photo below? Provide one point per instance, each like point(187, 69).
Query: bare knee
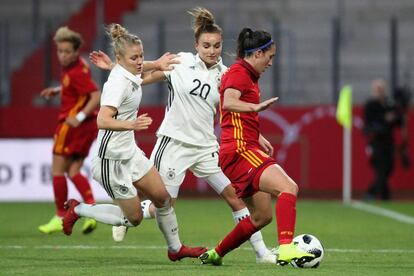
point(135, 219)
point(163, 201)
point(291, 188)
point(261, 220)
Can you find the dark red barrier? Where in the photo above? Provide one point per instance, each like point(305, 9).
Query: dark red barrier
point(308, 143)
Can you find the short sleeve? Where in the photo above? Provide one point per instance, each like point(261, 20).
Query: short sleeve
point(181, 59)
point(112, 95)
point(236, 79)
point(82, 82)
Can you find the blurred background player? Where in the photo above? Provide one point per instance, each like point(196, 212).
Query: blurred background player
point(120, 166)
point(245, 153)
point(76, 129)
point(402, 98)
point(380, 120)
point(186, 139)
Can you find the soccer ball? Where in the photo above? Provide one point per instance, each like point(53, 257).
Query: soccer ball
point(310, 244)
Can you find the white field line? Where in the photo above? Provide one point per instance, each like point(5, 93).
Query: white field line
point(382, 212)
point(155, 247)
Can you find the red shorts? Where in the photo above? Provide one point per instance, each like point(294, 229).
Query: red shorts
point(69, 141)
point(244, 169)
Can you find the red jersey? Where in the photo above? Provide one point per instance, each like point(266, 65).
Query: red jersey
point(76, 82)
point(240, 130)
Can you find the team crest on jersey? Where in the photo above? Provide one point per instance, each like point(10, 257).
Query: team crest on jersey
point(218, 79)
point(66, 81)
point(171, 174)
point(123, 190)
point(85, 69)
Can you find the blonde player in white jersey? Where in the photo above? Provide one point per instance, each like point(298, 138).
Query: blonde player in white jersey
point(186, 139)
point(120, 166)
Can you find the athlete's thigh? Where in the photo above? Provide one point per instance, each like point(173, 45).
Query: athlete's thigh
point(171, 159)
point(115, 177)
point(206, 161)
point(151, 186)
point(274, 179)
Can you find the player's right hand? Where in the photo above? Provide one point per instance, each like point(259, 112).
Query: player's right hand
point(49, 92)
point(142, 122)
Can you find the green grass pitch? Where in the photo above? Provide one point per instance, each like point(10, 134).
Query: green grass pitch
point(356, 243)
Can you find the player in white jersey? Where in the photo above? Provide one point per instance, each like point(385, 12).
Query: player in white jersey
point(120, 166)
point(186, 139)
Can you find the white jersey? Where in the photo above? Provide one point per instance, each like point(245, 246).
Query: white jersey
point(191, 108)
point(122, 91)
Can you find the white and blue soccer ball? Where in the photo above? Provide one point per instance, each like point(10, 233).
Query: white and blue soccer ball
point(310, 244)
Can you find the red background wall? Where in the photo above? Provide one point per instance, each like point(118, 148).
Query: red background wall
point(307, 141)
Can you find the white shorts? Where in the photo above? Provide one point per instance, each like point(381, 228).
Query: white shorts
point(173, 158)
point(117, 176)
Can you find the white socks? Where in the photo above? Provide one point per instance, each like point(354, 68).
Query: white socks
point(167, 222)
point(167, 217)
point(105, 213)
point(256, 240)
point(145, 205)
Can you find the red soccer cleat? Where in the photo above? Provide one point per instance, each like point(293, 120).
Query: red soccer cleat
point(70, 217)
point(186, 251)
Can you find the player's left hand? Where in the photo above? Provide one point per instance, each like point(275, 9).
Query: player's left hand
point(266, 146)
point(71, 121)
point(101, 60)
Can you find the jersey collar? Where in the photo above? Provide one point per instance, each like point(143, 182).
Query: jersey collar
point(73, 64)
point(118, 69)
point(249, 68)
point(201, 63)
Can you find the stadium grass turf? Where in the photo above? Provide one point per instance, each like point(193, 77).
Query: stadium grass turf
point(356, 243)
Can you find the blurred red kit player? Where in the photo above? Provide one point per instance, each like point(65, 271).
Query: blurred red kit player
point(76, 129)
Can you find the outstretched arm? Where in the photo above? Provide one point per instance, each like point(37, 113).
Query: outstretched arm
point(50, 92)
point(164, 63)
point(232, 102)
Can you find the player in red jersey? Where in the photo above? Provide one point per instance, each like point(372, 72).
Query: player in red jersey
point(76, 129)
point(245, 155)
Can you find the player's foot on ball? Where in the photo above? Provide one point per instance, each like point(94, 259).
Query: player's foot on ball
point(290, 252)
point(70, 217)
point(186, 252)
point(211, 257)
point(119, 232)
point(53, 226)
point(89, 225)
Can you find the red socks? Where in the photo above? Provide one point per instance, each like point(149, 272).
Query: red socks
point(84, 188)
point(240, 233)
point(286, 217)
point(286, 220)
point(60, 189)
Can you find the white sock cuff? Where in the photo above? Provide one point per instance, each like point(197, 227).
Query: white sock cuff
point(240, 214)
point(145, 205)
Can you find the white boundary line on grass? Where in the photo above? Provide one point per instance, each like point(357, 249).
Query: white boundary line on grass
point(382, 212)
point(155, 247)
